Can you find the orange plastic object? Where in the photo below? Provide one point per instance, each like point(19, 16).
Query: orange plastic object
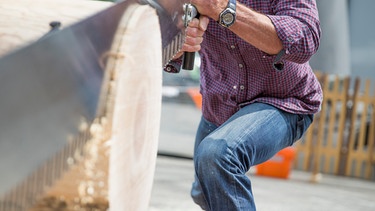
point(195, 96)
point(279, 165)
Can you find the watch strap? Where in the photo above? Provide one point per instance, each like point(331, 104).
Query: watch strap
point(232, 4)
point(231, 8)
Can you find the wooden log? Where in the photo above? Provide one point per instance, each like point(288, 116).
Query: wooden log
point(136, 112)
point(24, 21)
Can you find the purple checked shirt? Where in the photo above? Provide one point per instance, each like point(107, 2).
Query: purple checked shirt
point(235, 74)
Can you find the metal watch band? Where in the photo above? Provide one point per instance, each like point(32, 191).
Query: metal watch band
point(229, 10)
point(232, 4)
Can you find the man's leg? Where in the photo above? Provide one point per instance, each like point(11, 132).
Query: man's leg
point(251, 136)
point(204, 129)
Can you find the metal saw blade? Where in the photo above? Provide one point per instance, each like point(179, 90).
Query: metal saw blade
point(47, 89)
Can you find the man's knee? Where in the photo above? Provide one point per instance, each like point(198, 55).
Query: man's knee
point(211, 152)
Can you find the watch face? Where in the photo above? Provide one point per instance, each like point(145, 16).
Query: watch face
point(228, 18)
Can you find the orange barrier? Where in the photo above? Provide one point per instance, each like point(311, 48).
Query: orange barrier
point(279, 165)
point(195, 96)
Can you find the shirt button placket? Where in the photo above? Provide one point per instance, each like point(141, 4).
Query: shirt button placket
point(241, 66)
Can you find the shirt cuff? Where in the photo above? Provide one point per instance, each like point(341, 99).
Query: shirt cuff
point(173, 66)
point(289, 32)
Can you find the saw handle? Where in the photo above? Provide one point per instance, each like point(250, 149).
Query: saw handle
point(188, 61)
point(190, 12)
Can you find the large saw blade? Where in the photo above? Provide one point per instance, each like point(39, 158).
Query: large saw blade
point(47, 90)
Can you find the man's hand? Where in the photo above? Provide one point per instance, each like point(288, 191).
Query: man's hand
point(210, 8)
point(194, 35)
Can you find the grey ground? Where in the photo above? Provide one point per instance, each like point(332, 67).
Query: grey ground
point(173, 176)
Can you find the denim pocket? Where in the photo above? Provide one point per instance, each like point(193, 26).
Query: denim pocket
point(303, 123)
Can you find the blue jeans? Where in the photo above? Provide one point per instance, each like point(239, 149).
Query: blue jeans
point(223, 155)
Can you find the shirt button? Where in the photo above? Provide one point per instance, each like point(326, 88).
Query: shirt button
point(242, 87)
point(169, 69)
point(234, 87)
point(233, 46)
point(240, 65)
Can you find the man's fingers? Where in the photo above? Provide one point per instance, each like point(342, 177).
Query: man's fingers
point(200, 23)
point(193, 40)
point(203, 22)
point(197, 27)
point(194, 33)
point(192, 44)
point(191, 48)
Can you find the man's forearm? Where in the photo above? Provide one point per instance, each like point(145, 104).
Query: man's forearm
point(256, 29)
point(253, 27)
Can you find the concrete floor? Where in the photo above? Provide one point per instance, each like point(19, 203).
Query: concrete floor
point(173, 176)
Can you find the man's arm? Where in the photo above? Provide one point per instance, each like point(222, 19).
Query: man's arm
point(294, 27)
point(256, 29)
point(253, 27)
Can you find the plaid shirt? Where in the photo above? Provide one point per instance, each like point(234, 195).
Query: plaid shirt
point(235, 74)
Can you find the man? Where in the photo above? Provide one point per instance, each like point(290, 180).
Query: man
point(259, 92)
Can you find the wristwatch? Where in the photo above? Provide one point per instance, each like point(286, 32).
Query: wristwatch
point(228, 16)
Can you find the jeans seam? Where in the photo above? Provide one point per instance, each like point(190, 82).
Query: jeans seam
point(233, 172)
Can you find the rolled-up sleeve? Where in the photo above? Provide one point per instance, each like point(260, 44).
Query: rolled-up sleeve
point(297, 25)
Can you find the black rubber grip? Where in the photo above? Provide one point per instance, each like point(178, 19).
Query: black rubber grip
point(188, 61)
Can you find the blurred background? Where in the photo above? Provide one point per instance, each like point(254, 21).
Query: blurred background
point(348, 41)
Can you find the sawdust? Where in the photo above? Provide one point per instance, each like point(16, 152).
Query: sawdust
point(85, 186)
point(60, 204)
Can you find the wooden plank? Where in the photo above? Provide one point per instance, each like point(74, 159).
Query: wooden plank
point(364, 143)
point(304, 147)
point(352, 131)
point(358, 162)
point(370, 172)
point(341, 123)
point(317, 146)
point(332, 148)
